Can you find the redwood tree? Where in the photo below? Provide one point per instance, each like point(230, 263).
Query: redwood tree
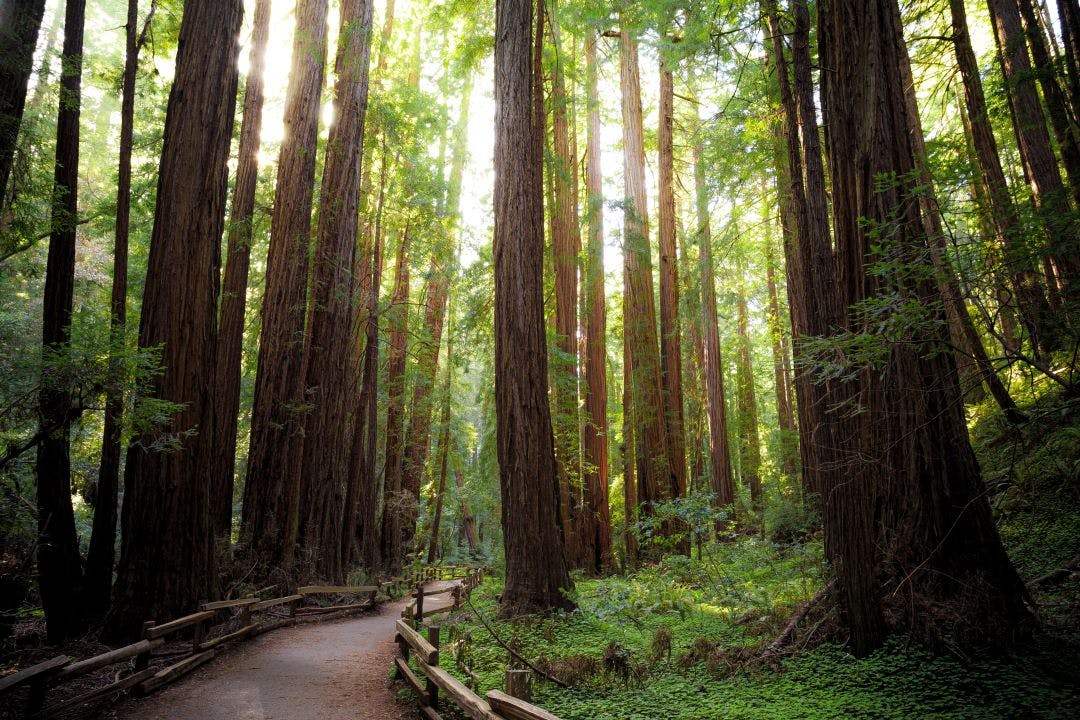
point(59, 566)
point(20, 23)
point(907, 525)
point(102, 553)
point(166, 559)
point(234, 291)
point(272, 491)
point(331, 325)
point(596, 520)
point(536, 571)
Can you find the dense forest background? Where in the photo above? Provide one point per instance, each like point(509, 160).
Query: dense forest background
point(318, 290)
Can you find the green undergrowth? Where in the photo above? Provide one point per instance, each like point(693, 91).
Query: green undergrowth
point(680, 640)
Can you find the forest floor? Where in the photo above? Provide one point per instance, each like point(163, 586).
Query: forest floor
point(332, 671)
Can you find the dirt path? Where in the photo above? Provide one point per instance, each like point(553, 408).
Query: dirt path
point(333, 671)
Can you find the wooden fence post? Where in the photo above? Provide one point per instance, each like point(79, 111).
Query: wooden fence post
point(519, 684)
point(142, 660)
point(432, 688)
point(418, 616)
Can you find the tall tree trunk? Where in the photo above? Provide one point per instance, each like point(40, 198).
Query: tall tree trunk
point(468, 522)
point(565, 248)
point(362, 521)
point(272, 491)
point(781, 373)
point(916, 532)
point(20, 23)
point(166, 558)
point(670, 339)
point(1056, 106)
point(630, 485)
point(811, 273)
point(536, 570)
point(750, 440)
point(230, 349)
point(332, 320)
point(973, 364)
point(1040, 165)
point(59, 565)
point(721, 481)
point(695, 400)
point(1069, 24)
point(418, 436)
point(101, 555)
point(397, 317)
point(444, 451)
point(655, 472)
point(597, 518)
point(1016, 257)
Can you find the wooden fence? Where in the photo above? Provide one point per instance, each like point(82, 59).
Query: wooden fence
point(419, 640)
point(248, 616)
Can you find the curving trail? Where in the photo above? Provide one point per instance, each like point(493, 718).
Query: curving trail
point(333, 671)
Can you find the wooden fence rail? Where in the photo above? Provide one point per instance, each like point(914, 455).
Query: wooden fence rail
point(423, 648)
point(252, 617)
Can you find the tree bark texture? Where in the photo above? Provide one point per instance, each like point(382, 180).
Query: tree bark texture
point(1056, 106)
point(909, 529)
point(596, 516)
point(1019, 262)
point(749, 437)
point(536, 571)
point(721, 482)
point(418, 436)
point(1033, 139)
point(167, 559)
point(656, 477)
point(59, 564)
point(397, 317)
point(332, 317)
point(20, 23)
point(670, 337)
point(272, 490)
point(101, 556)
point(565, 248)
point(230, 348)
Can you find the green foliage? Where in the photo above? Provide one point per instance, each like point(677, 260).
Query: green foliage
point(679, 640)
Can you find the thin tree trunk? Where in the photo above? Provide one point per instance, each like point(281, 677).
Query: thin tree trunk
point(781, 373)
point(670, 339)
point(397, 317)
point(1056, 107)
point(468, 522)
point(418, 436)
point(1069, 24)
point(595, 431)
point(973, 364)
point(750, 439)
point(230, 349)
point(272, 490)
point(565, 248)
point(1047, 189)
point(721, 481)
point(332, 320)
point(630, 485)
point(101, 555)
point(655, 473)
point(59, 565)
point(1019, 263)
point(167, 559)
point(444, 451)
point(20, 23)
point(536, 570)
